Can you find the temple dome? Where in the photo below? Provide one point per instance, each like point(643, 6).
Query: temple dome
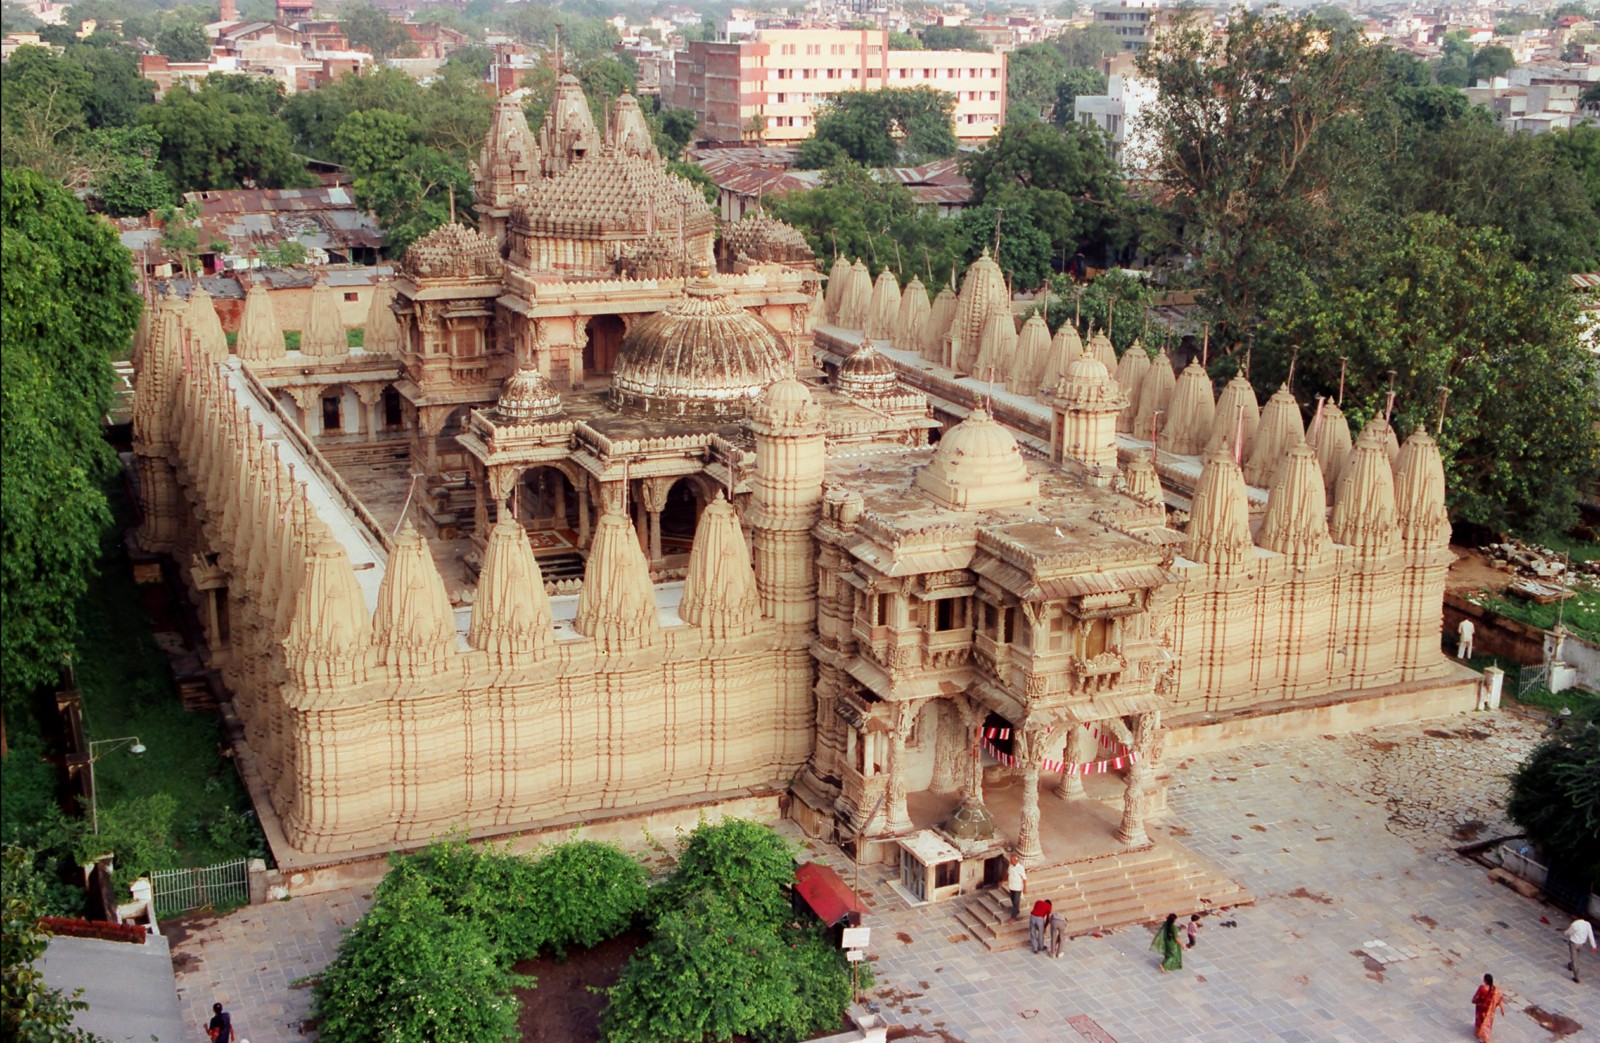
point(867, 373)
point(527, 396)
point(978, 466)
point(701, 356)
point(453, 251)
point(760, 238)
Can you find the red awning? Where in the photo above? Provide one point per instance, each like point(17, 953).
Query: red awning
point(827, 895)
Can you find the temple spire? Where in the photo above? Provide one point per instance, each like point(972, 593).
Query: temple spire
point(1420, 493)
point(511, 614)
point(1296, 524)
point(719, 591)
point(1280, 431)
point(326, 646)
point(617, 605)
point(414, 627)
point(1364, 510)
point(260, 337)
point(1219, 521)
point(883, 307)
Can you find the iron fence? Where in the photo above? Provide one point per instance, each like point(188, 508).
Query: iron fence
point(219, 886)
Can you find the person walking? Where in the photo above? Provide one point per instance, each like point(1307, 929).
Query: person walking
point(1016, 883)
point(220, 1027)
point(1038, 918)
point(1167, 944)
point(1578, 934)
point(1486, 1002)
point(1191, 930)
point(1058, 934)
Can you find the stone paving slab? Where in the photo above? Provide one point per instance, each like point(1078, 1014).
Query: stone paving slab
point(1368, 927)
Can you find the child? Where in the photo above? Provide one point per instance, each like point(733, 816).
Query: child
point(1192, 929)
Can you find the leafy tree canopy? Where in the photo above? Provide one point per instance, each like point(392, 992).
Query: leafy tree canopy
point(883, 127)
point(744, 862)
point(1084, 48)
point(226, 134)
point(1555, 796)
point(952, 38)
point(371, 30)
point(1446, 307)
point(1074, 84)
point(185, 42)
point(1064, 175)
point(67, 307)
point(1033, 74)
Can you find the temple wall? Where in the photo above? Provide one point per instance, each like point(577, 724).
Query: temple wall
point(579, 733)
point(1267, 632)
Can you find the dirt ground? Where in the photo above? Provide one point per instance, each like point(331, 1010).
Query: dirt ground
point(1472, 571)
point(561, 1008)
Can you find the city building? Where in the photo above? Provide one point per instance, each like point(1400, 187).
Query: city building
point(1118, 113)
point(582, 534)
point(1136, 23)
point(765, 89)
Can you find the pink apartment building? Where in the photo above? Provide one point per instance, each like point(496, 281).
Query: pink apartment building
point(766, 88)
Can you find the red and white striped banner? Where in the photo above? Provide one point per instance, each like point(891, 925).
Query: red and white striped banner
point(1123, 758)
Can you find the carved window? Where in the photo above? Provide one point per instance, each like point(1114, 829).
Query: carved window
point(1057, 629)
point(949, 614)
point(1093, 638)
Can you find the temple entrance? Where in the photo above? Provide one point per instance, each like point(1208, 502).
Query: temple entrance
point(600, 350)
point(547, 502)
point(680, 517)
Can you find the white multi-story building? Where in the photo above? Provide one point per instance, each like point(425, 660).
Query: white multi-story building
point(1118, 112)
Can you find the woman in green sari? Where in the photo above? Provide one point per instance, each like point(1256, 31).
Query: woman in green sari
point(1167, 944)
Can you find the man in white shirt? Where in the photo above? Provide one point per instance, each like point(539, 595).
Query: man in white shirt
point(1578, 934)
point(1464, 640)
point(1016, 883)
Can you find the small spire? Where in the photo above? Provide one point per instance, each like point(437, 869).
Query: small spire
point(719, 590)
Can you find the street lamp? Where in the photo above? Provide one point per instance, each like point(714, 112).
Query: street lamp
point(94, 793)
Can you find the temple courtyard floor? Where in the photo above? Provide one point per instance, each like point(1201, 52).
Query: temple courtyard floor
point(1367, 925)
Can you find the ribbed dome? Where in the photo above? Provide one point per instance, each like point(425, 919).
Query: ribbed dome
point(1088, 381)
point(701, 356)
point(867, 373)
point(527, 396)
point(978, 466)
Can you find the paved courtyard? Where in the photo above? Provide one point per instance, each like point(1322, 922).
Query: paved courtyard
point(1367, 927)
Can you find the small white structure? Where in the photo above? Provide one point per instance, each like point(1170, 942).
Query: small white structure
point(1118, 112)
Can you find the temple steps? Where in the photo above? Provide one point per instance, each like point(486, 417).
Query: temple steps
point(1133, 887)
point(351, 456)
point(561, 565)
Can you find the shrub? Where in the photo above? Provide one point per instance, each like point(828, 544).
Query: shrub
point(708, 972)
point(585, 892)
point(743, 862)
point(821, 978)
point(492, 889)
point(412, 971)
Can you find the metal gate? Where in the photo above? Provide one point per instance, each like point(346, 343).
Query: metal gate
point(220, 886)
point(1531, 677)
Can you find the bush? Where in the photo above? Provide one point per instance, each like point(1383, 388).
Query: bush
point(412, 971)
point(585, 892)
point(1555, 797)
point(492, 889)
point(709, 972)
point(744, 862)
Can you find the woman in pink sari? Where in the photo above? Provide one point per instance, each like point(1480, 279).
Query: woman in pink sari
point(1487, 1001)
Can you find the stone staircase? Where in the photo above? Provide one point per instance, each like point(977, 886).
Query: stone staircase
point(561, 565)
point(1116, 890)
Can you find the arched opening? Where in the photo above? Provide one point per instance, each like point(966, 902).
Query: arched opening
point(605, 341)
point(394, 416)
point(680, 517)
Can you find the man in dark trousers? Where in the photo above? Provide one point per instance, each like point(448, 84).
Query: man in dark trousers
point(220, 1028)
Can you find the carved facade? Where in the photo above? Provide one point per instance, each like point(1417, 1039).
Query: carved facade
point(648, 565)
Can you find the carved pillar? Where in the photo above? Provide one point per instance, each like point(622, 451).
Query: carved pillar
point(905, 714)
point(653, 493)
point(306, 400)
point(370, 395)
point(1077, 752)
point(947, 750)
point(480, 502)
point(1136, 796)
point(585, 493)
point(431, 421)
point(971, 717)
point(1028, 743)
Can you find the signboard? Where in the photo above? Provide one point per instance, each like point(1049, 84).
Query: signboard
point(856, 937)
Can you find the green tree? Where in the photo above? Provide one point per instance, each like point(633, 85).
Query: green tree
point(1579, 150)
point(371, 30)
point(129, 184)
point(1250, 134)
point(67, 307)
point(1064, 175)
point(952, 38)
point(184, 43)
point(1033, 74)
point(883, 127)
point(1555, 796)
point(225, 135)
point(411, 972)
point(30, 1011)
point(117, 92)
point(1447, 307)
point(1074, 84)
point(854, 214)
point(673, 130)
point(406, 184)
point(904, 42)
point(1489, 62)
point(1084, 48)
